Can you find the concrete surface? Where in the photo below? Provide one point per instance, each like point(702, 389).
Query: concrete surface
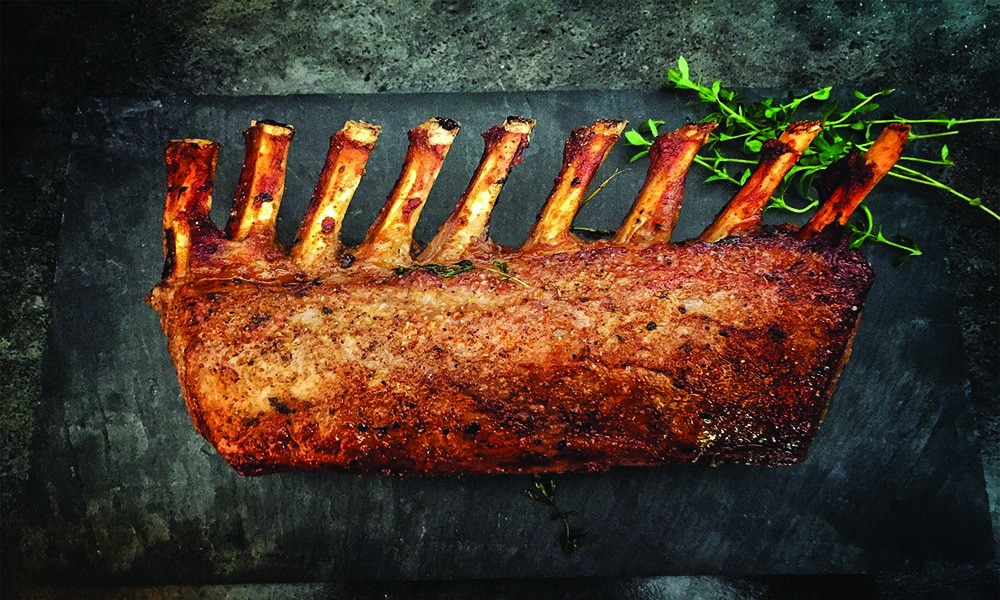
point(56, 54)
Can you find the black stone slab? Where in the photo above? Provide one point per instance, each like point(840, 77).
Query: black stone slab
point(123, 489)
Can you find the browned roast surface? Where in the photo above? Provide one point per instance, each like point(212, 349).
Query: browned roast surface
point(609, 355)
point(561, 355)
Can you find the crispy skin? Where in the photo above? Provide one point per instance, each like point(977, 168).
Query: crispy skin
point(562, 355)
point(609, 356)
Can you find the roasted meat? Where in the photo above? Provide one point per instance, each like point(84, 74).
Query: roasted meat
point(467, 357)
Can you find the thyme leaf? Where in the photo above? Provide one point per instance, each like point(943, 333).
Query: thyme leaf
point(501, 268)
point(463, 266)
point(445, 271)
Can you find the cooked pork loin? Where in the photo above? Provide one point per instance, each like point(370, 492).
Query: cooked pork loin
point(467, 357)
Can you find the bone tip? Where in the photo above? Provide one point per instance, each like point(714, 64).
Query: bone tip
point(193, 143)
point(690, 131)
point(902, 130)
point(805, 126)
point(609, 127)
point(441, 131)
point(703, 128)
point(519, 124)
point(446, 123)
point(273, 128)
point(362, 132)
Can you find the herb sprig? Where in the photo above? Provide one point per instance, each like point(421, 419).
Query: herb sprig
point(744, 126)
point(498, 267)
point(544, 491)
point(446, 271)
point(595, 233)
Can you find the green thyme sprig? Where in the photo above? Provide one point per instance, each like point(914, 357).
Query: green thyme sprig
point(503, 269)
point(446, 271)
point(867, 230)
point(498, 267)
point(744, 126)
point(601, 187)
point(595, 233)
point(544, 491)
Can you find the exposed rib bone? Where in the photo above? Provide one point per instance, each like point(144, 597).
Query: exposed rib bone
point(186, 217)
point(390, 236)
point(655, 211)
point(262, 181)
point(743, 213)
point(318, 239)
point(468, 224)
point(583, 155)
point(853, 178)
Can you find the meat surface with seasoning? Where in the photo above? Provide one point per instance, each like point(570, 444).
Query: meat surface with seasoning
point(464, 356)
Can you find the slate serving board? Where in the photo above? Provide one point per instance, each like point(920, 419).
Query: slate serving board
point(123, 489)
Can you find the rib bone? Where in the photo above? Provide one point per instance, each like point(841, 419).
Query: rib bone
point(467, 226)
point(187, 214)
point(262, 182)
point(853, 178)
point(742, 214)
point(318, 239)
point(583, 155)
point(655, 211)
point(391, 235)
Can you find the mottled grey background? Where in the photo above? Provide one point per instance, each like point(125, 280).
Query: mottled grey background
point(55, 56)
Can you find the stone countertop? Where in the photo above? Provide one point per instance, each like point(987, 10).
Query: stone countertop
point(55, 56)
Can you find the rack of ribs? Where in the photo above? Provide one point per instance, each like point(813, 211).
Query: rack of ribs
point(463, 356)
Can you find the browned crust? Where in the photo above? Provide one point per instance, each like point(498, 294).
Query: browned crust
point(666, 355)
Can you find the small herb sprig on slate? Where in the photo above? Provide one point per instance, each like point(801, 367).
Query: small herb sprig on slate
point(744, 126)
point(594, 233)
point(570, 539)
point(463, 266)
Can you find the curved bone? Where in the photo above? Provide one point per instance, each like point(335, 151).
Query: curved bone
point(655, 211)
point(186, 216)
point(391, 235)
point(262, 182)
point(468, 224)
point(583, 155)
point(743, 213)
point(318, 239)
point(853, 178)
